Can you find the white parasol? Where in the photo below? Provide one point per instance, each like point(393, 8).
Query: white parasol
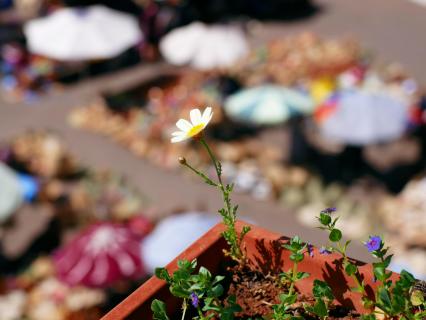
point(204, 47)
point(72, 34)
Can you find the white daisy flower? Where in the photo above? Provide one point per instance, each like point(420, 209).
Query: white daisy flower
point(193, 128)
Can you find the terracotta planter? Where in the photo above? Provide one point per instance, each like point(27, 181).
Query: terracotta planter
point(265, 253)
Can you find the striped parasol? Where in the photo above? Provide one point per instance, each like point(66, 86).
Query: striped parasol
point(267, 105)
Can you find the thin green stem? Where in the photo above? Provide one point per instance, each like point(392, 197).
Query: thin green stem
point(353, 276)
point(229, 212)
point(213, 158)
point(200, 313)
point(225, 194)
point(184, 307)
point(293, 278)
point(202, 175)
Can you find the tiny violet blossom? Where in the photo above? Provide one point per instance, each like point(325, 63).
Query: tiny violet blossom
point(194, 300)
point(310, 249)
point(329, 210)
point(195, 127)
point(373, 243)
point(324, 251)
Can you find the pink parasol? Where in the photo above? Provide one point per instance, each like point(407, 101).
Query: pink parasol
point(99, 256)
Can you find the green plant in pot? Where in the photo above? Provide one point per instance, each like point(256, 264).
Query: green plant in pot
point(204, 296)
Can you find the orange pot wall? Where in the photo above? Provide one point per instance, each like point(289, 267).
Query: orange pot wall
point(265, 253)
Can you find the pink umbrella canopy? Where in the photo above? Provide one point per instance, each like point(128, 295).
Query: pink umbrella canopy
point(99, 256)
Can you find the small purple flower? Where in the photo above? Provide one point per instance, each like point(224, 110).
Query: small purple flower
point(324, 250)
point(194, 300)
point(373, 243)
point(310, 249)
point(329, 210)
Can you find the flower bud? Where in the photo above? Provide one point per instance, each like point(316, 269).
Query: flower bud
point(182, 160)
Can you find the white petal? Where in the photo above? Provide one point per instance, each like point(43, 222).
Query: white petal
point(178, 139)
point(195, 116)
point(184, 125)
point(178, 133)
point(207, 115)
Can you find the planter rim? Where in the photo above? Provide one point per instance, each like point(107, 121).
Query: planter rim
point(151, 286)
point(148, 290)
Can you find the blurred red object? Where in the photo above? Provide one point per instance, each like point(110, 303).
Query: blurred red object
point(140, 225)
point(99, 256)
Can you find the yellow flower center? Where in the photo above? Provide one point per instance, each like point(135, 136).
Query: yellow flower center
point(195, 130)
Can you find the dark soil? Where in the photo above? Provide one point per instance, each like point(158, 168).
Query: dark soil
point(256, 293)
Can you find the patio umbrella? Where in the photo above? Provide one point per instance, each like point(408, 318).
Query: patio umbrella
point(99, 256)
point(11, 196)
point(73, 34)
point(204, 47)
point(267, 105)
point(357, 117)
point(172, 235)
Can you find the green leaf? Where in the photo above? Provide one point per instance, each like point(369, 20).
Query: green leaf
point(335, 235)
point(367, 303)
point(218, 279)
point(356, 289)
point(321, 289)
point(320, 309)
point(350, 269)
point(324, 219)
point(296, 257)
point(379, 273)
point(158, 308)
point(179, 292)
point(387, 261)
point(288, 299)
point(420, 315)
point(186, 265)
point(288, 247)
point(406, 279)
point(217, 291)
point(334, 222)
point(232, 308)
point(346, 245)
point(302, 275)
point(205, 273)
point(385, 299)
point(162, 273)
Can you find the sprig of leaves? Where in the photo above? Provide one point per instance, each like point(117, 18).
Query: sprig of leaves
point(282, 311)
point(229, 211)
point(202, 289)
point(395, 299)
point(335, 236)
point(323, 298)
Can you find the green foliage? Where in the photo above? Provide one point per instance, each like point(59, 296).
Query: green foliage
point(322, 290)
point(335, 236)
point(186, 284)
point(323, 298)
point(394, 299)
point(229, 211)
point(297, 253)
point(283, 310)
point(159, 310)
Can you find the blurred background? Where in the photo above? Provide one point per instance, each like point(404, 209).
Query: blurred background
point(316, 104)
